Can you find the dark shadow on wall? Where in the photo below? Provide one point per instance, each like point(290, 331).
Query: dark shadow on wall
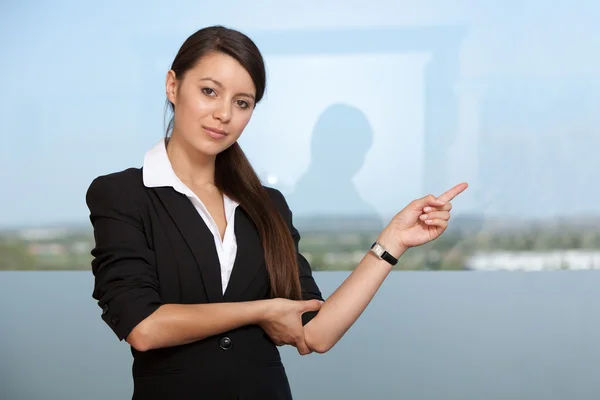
point(340, 141)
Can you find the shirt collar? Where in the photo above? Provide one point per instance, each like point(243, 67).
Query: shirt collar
point(158, 172)
point(157, 169)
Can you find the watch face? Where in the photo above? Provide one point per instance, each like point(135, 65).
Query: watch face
point(377, 249)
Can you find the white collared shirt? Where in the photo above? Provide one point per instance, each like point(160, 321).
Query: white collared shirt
point(158, 172)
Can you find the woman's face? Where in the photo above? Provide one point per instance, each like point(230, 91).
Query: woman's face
point(213, 103)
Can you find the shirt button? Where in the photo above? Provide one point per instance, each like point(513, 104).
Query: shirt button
point(225, 343)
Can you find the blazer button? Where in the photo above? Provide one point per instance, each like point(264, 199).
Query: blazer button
point(225, 343)
point(114, 320)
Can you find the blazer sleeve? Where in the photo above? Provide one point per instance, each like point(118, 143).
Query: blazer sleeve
point(310, 290)
point(125, 276)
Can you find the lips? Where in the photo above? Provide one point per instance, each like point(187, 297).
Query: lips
point(214, 132)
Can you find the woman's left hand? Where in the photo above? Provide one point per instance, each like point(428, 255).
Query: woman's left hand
point(421, 221)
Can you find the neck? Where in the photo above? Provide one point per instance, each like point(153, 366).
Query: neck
point(192, 167)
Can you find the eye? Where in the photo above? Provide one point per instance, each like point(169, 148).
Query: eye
point(243, 104)
point(208, 91)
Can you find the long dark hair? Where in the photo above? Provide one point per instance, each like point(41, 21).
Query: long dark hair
point(234, 174)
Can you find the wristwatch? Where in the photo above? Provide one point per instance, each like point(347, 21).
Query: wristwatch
point(382, 253)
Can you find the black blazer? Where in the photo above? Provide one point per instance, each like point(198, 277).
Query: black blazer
point(152, 247)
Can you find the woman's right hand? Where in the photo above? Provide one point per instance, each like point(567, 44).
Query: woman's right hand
point(283, 321)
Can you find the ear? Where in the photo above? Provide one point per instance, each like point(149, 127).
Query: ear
point(171, 86)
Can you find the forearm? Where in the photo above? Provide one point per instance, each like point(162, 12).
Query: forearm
point(347, 303)
point(178, 324)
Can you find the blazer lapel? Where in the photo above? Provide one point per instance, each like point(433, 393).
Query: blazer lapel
point(249, 257)
point(199, 238)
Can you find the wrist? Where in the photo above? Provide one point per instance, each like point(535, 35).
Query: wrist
point(259, 310)
point(263, 310)
point(391, 245)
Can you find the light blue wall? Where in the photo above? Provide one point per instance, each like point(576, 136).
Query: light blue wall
point(500, 94)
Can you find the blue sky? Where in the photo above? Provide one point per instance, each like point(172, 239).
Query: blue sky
point(83, 96)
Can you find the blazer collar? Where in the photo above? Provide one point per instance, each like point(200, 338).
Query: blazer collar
point(198, 237)
point(158, 173)
point(249, 257)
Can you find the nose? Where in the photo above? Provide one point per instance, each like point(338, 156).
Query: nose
point(223, 111)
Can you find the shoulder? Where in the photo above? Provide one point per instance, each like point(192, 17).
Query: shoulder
point(130, 178)
point(274, 194)
point(281, 204)
point(277, 198)
point(114, 185)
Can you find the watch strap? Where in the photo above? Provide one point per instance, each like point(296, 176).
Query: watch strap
point(383, 254)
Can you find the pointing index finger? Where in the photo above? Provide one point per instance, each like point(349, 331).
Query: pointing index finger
point(452, 193)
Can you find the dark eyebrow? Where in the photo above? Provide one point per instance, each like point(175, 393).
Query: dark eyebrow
point(219, 84)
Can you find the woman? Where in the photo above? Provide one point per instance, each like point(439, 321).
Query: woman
point(196, 263)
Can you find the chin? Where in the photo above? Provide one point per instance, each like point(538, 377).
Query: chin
point(211, 148)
